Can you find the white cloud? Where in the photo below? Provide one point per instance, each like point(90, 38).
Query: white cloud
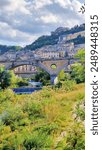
point(10, 33)
point(70, 23)
point(22, 21)
point(50, 18)
point(14, 35)
point(76, 5)
point(63, 3)
point(13, 6)
point(41, 3)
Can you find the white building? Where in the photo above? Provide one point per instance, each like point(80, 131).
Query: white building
point(51, 54)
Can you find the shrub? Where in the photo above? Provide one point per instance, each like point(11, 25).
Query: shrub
point(78, 73)
point(80, 110)
point(11, 117)
point(42, 76)
point(68, 85)
point(13, 142)
point(22, 82)
point(5, 78)
point(61, 76)
point(78, 69)
point(37, 142)
point(7, 94)
point(8, 147)
point(75, 139)
point(47, 129)
point(33, 109)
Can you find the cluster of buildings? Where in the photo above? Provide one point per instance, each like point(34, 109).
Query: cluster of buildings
point(52, 51)
point(61, 49)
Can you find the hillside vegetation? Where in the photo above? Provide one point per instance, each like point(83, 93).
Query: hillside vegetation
point(53, 38)
point(50, 119)
point(5, 48)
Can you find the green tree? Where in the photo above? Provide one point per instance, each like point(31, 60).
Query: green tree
point(43, 77)
point(5, 78)
point(81, 56)
point(78, 69)
point(61, 76)
point(22, 82)
point(14, 79)
point(78, 73)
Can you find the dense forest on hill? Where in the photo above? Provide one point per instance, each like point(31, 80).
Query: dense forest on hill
point(54, 37)
point(5, 48)
point(79, 40)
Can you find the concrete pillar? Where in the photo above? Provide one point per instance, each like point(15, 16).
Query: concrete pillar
point(54, 79)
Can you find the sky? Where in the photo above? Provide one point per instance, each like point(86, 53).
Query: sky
point(23, 21)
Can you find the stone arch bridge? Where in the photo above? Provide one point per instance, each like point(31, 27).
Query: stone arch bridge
point(52, 66)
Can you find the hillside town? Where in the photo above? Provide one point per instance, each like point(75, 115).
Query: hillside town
point(62, 49)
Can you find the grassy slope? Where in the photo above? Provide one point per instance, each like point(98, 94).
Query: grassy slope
point(47, 113)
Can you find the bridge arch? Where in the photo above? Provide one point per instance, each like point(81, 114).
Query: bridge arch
point(46, 65)
point(18, 64)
